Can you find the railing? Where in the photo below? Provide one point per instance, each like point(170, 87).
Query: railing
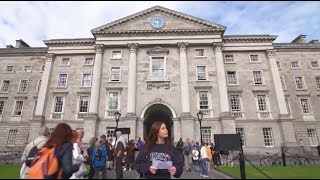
point(206, 112)
point(237, 114)
point(56, 115)
point(110, 112)
point(82, 115)
point(264, 114)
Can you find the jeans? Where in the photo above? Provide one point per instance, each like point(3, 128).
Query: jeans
point(97, 171)
point(119, 170)
point(204, 166)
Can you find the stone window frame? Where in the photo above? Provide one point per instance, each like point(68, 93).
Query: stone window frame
point(39, 85)
point(317, 77)
point(64, 58)
point(82, 79)
point(11, 139)
point(120, 70)
point(27, 70)
point(236, 76)
point(262, 78)
point(209, 95)
point(267, 100)
point(226, 62)
point(53, 105)
point(199, 49)
point(242, 133)
point(15, 108)
point(267, 134)
point(288, 104)
point(295, 68)
point(317, 62)
point(112, 90)
point(91, 64)
point(3, 107)
point(250, 60)
point(278, 64)
point(78, 104)
point(165, 76)
point(312, 135)
point(203, 129)
point(303, 83)
point(309, 105)
point(240, 101)
point(13, 69)
point(115, 58)
point(59, 80)
point(206, 73)
point(20, 84)
point(1, 87)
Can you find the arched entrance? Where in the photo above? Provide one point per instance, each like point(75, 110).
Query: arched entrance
point(157, 112)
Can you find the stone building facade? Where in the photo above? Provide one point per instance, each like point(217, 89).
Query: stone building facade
point(163, 64)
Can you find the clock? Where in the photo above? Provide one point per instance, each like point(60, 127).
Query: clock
point(157, 22)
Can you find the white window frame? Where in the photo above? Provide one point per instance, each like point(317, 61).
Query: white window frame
point(259, 59)
point(63, 58)
point(34, 106)
point(210, 106)
point(39, 85)
point(236, 76)
point(236, 113)
point(115, 58)
point(317, 83)
point(313, 137)
point(82, 80)
point(19, 89)
point(6, 70)
point(195, 52)
point(268, 106)
point(206, 73)
point(111, 131)
point(298, 63)
point(303, 83)
point(283, 83)
point(107, 113)
point(11, 139)
point(3, 108)
point(269, 136)
point(84, 63)
point(66, 81)
point(228, 62)
point(242, 135)
point(110, 79)
point(206, 133)
point(53, 107)
point(278, 65)
point(27, 70)
point(262, 78)
point(2, 82)
point(287, 101)
point(309, 104)
point(313, 60)
point(83, 114)
point(14, 108)
point(165, 68)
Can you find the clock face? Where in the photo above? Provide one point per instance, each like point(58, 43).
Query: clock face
point(157, 22)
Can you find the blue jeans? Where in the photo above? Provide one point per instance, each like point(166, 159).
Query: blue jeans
point(204, 168)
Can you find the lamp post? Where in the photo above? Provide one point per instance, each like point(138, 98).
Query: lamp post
point(117, 117)
point(200, 116)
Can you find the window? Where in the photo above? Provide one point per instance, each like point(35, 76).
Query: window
point(235, 103)
point(201, 73)
point(27, 68)
point(314, 63)
point(278, 65)
point(318, 81)
point(294, 65)
point(63, 78)
point(111, 133)
point(228, 58)
point(39, 85)
point(288, 106)
point(113, 103)
point(313, 138)
point(65, 62)
point(158, 68)
point(1, 107)
point(282, 82)
point(12, 137)
point(299, 82)
point(23, 86)
point(254, 58)
point(5, 85)
point(199, 52)
point(35, 106)
point(241, 132)
point(58, 104)
point(115, 74)
point(88, 61)
point(206, 134)
point(83, 106)
point(86, 80)
point(204, 100)
point(232, 77)
point(257, 76)
point(268, 137)
point(42, 67)
point(262, 103)
point(18, 108)
point(9, 69)
point(116, 54)
point(305, 105)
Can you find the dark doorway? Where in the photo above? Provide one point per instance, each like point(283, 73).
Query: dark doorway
point(157, 112)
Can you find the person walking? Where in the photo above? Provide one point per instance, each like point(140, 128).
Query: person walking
point(89, 154)
point(159, 159)
point(203, 161)
point(187, 152)
point(99, 159)
point(129, 159)
point(78, 157)
point(119, 153)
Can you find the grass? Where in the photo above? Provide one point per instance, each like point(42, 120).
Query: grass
point(275, 172)
point(10, 172)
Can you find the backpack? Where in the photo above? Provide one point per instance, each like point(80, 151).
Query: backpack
point(209, 154)
point(99, 154)
point(32, 154)
point(187, 150)
point(45, 165)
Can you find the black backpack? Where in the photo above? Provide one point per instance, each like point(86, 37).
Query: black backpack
point(99, 154)
point(32, 154)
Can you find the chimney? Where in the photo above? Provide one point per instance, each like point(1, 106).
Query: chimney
point(21, 44)
point(300, 39)
point(9, 46)
point(315, 41)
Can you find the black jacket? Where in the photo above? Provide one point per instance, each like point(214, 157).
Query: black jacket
point(65, 157)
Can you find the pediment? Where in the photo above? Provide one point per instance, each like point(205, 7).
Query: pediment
point(157, 50)
point(174, 22)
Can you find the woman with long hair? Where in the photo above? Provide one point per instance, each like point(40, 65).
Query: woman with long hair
point(159, 159)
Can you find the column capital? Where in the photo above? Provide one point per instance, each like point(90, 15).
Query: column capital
point(49, 57)
point(133, 47)
point(99, 48)
point(270, 53)
point(182, 46)
point(217, 46)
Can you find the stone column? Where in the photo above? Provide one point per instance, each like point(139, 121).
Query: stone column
point(226, 119)
point(285, 121)
point(90, 122)
point(132, 81)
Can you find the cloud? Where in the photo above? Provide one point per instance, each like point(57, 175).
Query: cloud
point(38, 21)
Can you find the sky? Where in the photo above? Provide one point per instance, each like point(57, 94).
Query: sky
point(35, 21)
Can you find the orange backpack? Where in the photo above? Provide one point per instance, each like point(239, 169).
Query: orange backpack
point(209, 154)
point(45, 165)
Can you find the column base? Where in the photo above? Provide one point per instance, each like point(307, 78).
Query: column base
point(90, 126)
point(186, 115)
point(129, 121)
point(228, 124)
point(38, 119)
point(187, 126)
point(286, 126)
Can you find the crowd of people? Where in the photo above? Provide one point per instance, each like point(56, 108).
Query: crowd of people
point(156, 157)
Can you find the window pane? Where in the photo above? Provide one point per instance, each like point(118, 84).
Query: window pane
point(199, 52)
point(23, 85)
point(115, 74)
point(305, 105)
point(86, 81)
point(267, 136)
point(18, 108)
point(88, 61)
point(235, 103)
point(5, 85)
point(9, 69)
point(203, 96)
point(84, 103)
point(262, 103)
point(113, 100)
point(1, 107)
point(201, 70)
point(228, 58)
point(12, 137)
point(116, 54)
point(206, 135)
point(62, 80)
point(254, 58)
point(313, 138)
point(299, 82)
point(241, 132)
point(257, 75)
point(231, 78)
point(158, 68)
point(58, 104)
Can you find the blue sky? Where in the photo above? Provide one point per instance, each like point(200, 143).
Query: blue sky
point(37, 21)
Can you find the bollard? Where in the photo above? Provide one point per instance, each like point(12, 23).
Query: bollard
point(283, 157)
point(242, 165)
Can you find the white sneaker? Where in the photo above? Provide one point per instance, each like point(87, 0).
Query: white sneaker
point(205, 176)
point(201, 175)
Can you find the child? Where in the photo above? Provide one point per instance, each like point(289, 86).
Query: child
point(99, 159)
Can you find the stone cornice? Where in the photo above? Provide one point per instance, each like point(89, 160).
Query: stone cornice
point(167, 31)
point(295, 46)
point(248, 38)
point(158, 9)
point(80, 41)
point(23, 51)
